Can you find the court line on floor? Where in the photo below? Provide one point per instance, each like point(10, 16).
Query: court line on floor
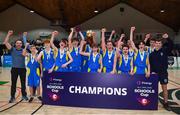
point(12, 106)
point(174, 82)
point(37, 109)
point(18, 89)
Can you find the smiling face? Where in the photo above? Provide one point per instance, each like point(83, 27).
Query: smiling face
point(125, 50)
point(33, 49)
point(18, 44)
point(75, 43)
point(158, 45)
point(109, 45)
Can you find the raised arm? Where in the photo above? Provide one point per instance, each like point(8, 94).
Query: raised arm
point(112, 33)
point(94, 37)
point(147, 36)
point(6, 40)
point(52, 40)
point(169, 44)
point(81, 48)
point(82, 36)
point(70, 38)
point(24, 38)
point(24, 53)
point(103, 44)
point(120, 40)
point(131, 39)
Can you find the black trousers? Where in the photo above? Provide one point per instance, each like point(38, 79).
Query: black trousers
point(15, 72)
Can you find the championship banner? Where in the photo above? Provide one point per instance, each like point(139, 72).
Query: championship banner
point(99, 90)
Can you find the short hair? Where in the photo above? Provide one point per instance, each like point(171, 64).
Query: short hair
point(64, 41)
point(46, 41)
point(18, 40)
point(109, 41)
point(152, 39)
point(94, 45)
point(75, 39)
point(142, 42)
point(159, 39)
point(125, 45)
point(32, 45)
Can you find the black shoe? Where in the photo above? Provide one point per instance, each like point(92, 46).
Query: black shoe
point(167, 107)
point(12, 100)
point(40, 98)
point(25, 98)
point(31, 99)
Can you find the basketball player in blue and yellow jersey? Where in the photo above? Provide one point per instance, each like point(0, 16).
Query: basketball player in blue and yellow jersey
point(141, 57)
point(74, 50)
point(90, 40)
point(109, 55)
point(33, 71)
point(94, 58)
point(150, 48)
point(125, 65)
point(47, 57)
point(62, 56)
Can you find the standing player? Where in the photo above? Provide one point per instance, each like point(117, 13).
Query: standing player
point(33, 71)
point(150, 48)
point(63, 57)
point(159, 65)
point(141, 58)
point(18, 67)
point(47, 57)
point(74, 50)
point(125, 61)
point(109, 55)
point(90, 40)
point(94, 58)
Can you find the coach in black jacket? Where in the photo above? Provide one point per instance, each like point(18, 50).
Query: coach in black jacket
point(159, 64)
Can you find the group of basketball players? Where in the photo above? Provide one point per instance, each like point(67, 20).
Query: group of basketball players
point(84, 55)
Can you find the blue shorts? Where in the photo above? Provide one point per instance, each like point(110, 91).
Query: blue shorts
point(33, 81)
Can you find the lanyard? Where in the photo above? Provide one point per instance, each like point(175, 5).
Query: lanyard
point(125, 59)
point(94, 57)
point(76, 51)
point(48, 54)
point(61, 53)
point(141, 55)
point(32, 59)
point(110, 54)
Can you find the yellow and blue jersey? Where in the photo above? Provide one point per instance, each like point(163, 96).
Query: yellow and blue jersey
point(140, 66)
point(84, 59)
point(124, 67)
point(108, 62)
point(59, 61)
point(33, 72)
point(94, 65)
point(48, 60)
point(75, 66)
point(150, 50)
